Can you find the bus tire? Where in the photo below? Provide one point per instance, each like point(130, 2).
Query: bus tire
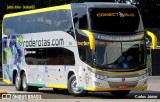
point(55, 90)
point(72, 87)
point(24, 84)
point(121, 93)
point(35, 89)
point(60, 91)
point(18, 83)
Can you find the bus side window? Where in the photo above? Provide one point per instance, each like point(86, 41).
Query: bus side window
point(63, 20)
point(85, 54)
point(41, 56)
point(30, 56)
point(82, 53)
point(52, 56)
point(69, 58)
point(60, 56)
point(83, 22)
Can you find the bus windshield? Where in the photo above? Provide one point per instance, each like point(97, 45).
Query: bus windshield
point(113, 20)
point(120, 55)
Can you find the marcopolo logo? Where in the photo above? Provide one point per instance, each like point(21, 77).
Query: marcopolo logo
point(43, 42)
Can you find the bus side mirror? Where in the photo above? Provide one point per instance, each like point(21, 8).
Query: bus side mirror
point(75, 20)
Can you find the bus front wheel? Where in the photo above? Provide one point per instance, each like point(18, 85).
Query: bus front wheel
point(18, 83)
point(26, 87)
point(122, 93)
point(72, 87)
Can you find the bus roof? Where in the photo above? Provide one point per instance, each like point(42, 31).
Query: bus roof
point(62, 7)
point(105, 4)
point(68, 7)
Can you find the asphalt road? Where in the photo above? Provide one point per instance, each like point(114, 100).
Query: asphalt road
point(48, 95)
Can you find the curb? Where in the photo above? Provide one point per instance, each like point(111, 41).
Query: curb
point(6, 85)
point(154, 77)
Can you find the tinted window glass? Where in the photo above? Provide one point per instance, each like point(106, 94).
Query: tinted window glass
point(41, 56)
point(114, 19)
point(39, 22)
point(30, 56)
point(49, 56)
point(85, 54)
point(52, 56)
point(79, 16)
point(69, 57)
point(83, 22)
point(120, 55)
point(60, 56)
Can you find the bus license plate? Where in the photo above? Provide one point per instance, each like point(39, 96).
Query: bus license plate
point(123, 86)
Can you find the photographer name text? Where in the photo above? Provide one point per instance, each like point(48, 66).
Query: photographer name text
point(146, 96)
point(21, 7)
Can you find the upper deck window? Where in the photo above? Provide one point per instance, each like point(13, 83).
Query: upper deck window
point(58, 20)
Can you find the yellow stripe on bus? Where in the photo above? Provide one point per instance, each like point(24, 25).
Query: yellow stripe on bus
point(57, 86)
point(116, 89)
point(154, 39)
point(7, 81)
point(63, 7)
point(117, 72)
point(91, 39)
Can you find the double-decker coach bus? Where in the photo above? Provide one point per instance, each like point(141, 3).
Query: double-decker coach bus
point(80, 47)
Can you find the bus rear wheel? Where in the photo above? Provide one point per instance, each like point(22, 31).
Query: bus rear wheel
point(73, 90)
point(18, 83)
point(26, 87)
point(122, 93)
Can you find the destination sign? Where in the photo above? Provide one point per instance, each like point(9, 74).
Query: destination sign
point(119, 37)
point(118, 14)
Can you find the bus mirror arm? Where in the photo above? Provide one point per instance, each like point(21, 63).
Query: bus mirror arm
point(75, 20)
point(69, 30)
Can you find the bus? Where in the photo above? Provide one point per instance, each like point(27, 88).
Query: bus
point(80, 47)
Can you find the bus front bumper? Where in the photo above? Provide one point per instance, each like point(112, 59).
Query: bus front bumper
point(116, 89)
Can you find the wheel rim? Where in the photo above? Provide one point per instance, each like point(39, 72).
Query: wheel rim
point(24, 82)
point(74, 87)
point(17, 81)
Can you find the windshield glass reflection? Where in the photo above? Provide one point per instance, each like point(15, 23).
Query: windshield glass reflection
point(118, 55)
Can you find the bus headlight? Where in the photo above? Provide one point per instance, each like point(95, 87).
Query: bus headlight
point(98, 76)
